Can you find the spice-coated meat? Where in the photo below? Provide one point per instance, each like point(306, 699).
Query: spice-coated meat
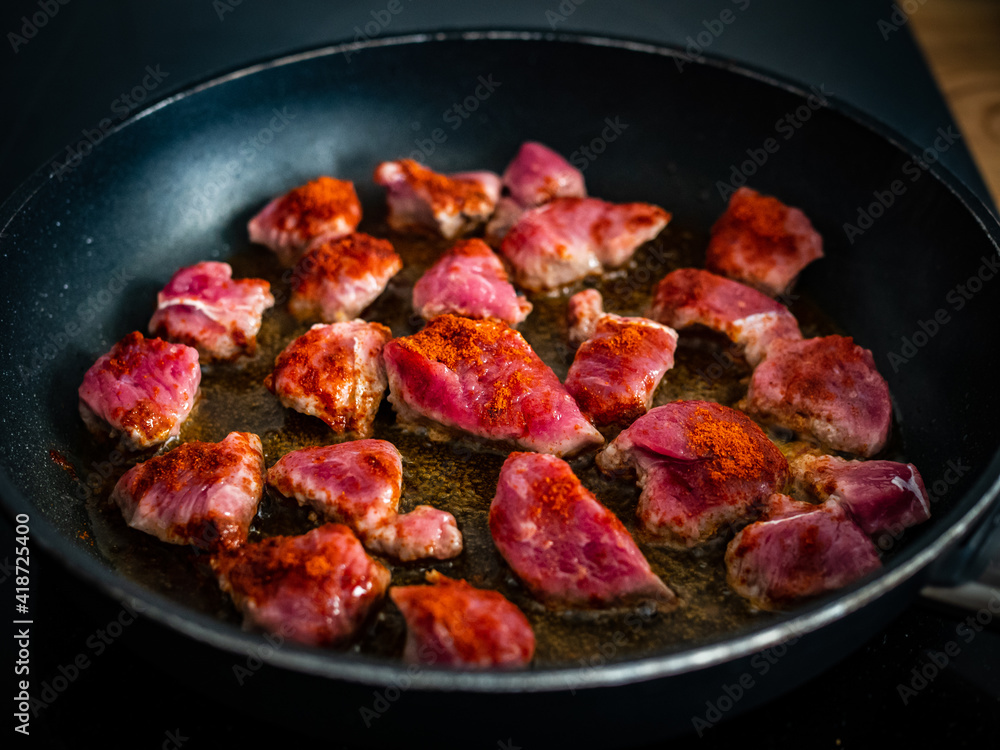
point(702, 466)
point(358, 484)
point(421, 200)
point(450, 623)
point(142, 390)
point(567, 548)
point(316, 588)
point(325, 207)
point(469, 280)
point(204, 494)
point(797, 550)
point(482, 378)
point(334, 372)
point(338, 278)
point(583, 311)
point(762, 242)
point(827, 388)
point(204, 307)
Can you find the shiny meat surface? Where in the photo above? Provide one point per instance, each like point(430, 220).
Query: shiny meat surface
point(583, 311)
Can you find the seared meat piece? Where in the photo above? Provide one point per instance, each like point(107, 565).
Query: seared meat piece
point(824, 387)
point(424, 201)
point(762, 242)
point(569, 238)
point(143, 389)
point(205, 494)
point(324, 207)
point(691, 296)
point(358, 484)
point(469, 280)
point(878, 495)
point(338, 278)
point(316, 588)
point(452, 623)
point(481, 377)
point(334, 372)
point(701, 466)
point(567, 548)
point(582, 313)
point(204, 307)
point(797, 550)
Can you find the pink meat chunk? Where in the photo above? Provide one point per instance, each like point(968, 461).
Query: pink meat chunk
point(421, 200)
point(358, 484)
point(691, 296)
point(582, 313)
point(204, 307)
point(204, 494)
point(469, 280)
point(567, 239)
point(701, 466)
point(316, 588)
point(567, 548)
point(480, 377)
point(617, 370)
point(338, 278)
point(762, 242)
point(827, 388)
point(334, 372)
point(878, 495)
point(325, 207)
point(141, 390)
point(454, 624)
point(798, 550)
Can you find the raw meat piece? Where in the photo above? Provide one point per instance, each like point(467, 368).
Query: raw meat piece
point(567, 239)
point(202, 306)
point(582, 313)
point(567, 548)
point(702, 467)
point(469, 280)
point(143, 389)
point(205, 494)
point(334, 372)
point(798, 550)
point(762, 242)
point(481, 377)
point(824, 387)
point(422, 200)
point(455, 624)
point(338, 278)
point(316, 588)
point(358, 484)
point(691, 296)
point(325, 207)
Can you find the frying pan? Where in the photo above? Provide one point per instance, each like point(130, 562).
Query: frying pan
point(175, 185)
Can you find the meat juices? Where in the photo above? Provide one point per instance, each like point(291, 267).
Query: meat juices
point(826, 388)
point(469, 280)
point(482, 378)
point(359, 484)
point(796, 551)
point(316, 588)
point(325, 207)
point(568, 239)
point(701, 466)
point(334, 372)
point(567, 548)
point(422, 200)
point(204, 307)
point(451, 623)
point(761, 242)
point(338, 278)
point(754, 321)
point(204, 494)
point(141, 390)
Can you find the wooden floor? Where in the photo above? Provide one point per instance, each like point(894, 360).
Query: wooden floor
point(961, 40)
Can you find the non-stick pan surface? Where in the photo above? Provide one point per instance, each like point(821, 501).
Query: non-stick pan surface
point(85, 251)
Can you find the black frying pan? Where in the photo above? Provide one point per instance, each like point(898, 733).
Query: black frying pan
point(177, 184)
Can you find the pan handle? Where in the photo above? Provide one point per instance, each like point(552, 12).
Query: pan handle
point(970, 576)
